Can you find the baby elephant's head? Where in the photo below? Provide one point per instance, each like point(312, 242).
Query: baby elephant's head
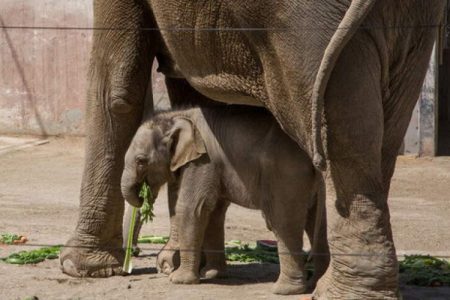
point(160, 147)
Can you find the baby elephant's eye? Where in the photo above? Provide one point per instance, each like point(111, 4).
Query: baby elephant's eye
point(141, 161)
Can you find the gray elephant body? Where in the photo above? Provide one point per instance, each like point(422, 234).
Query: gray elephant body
point(238, 155)
point(360, 64)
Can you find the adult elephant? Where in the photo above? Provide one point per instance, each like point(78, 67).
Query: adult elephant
point(359, 64)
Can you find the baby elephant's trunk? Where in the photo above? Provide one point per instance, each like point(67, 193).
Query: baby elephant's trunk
point(130, 189)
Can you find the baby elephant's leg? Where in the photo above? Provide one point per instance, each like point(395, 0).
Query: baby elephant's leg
point(197, 199)
point(287, 221)
point(213, 245)
point(191, 239)
point(168, 258)
point(321, 255)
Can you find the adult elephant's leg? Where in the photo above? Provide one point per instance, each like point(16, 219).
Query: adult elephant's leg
point(405, 87)
point(214, 243)
point(118, 79)
point(363, 263)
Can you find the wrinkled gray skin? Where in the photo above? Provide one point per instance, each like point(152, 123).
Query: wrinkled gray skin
point(363, 78)
point(218, 156)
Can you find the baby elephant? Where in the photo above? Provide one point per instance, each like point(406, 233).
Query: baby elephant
point(224, 155)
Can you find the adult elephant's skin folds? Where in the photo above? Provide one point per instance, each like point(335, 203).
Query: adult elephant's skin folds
point(358, 66)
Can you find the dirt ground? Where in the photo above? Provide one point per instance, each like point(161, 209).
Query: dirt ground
point(39, 189)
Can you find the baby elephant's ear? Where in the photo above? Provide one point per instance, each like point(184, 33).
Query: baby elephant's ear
point(186, 144)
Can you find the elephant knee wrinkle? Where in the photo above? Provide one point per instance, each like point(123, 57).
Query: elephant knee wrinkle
point(120, 106)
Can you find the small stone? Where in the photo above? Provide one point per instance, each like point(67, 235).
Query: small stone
point(129, 286)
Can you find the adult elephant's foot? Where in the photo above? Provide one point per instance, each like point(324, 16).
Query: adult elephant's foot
point(330, 287)
point(182, 276)
point(288, 286)
point(83, 259)
point(211, 271)
point(363, 262)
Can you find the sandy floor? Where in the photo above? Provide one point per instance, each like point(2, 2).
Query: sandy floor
point(39, 188)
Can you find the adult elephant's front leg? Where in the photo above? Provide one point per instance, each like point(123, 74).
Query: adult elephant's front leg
point(118, 79)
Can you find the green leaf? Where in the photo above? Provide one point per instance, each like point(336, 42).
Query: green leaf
point(147, 207)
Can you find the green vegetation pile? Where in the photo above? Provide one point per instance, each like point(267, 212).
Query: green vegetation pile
point(424, 270)
point(11, 238)
point(33, 256)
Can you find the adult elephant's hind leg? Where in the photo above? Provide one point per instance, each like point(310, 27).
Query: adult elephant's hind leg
point(119, 75)
point(363, 260)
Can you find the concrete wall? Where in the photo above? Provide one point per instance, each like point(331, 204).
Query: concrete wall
point(42, 71)
point(421, 137)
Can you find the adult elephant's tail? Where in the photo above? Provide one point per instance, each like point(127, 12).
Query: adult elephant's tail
point(353, 18)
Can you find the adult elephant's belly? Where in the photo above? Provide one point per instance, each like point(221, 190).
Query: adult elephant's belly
point(219, 63)
point(228, 88)
point(230, 75)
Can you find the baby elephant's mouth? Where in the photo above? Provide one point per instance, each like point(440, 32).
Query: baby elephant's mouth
point(137, 190)
point(144, 191)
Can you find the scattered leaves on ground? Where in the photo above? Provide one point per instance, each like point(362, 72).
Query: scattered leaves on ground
point(33, 256)
point(419, 270)
point(11, 238)
point(238, 251)
point(235, 250)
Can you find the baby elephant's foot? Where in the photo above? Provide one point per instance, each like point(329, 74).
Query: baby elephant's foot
point(167, 261)
point(184, 277)
point(289, 286)
point(211, 272)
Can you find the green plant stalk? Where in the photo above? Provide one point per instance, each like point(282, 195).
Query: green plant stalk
point(127, 266)
point(153, 239)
